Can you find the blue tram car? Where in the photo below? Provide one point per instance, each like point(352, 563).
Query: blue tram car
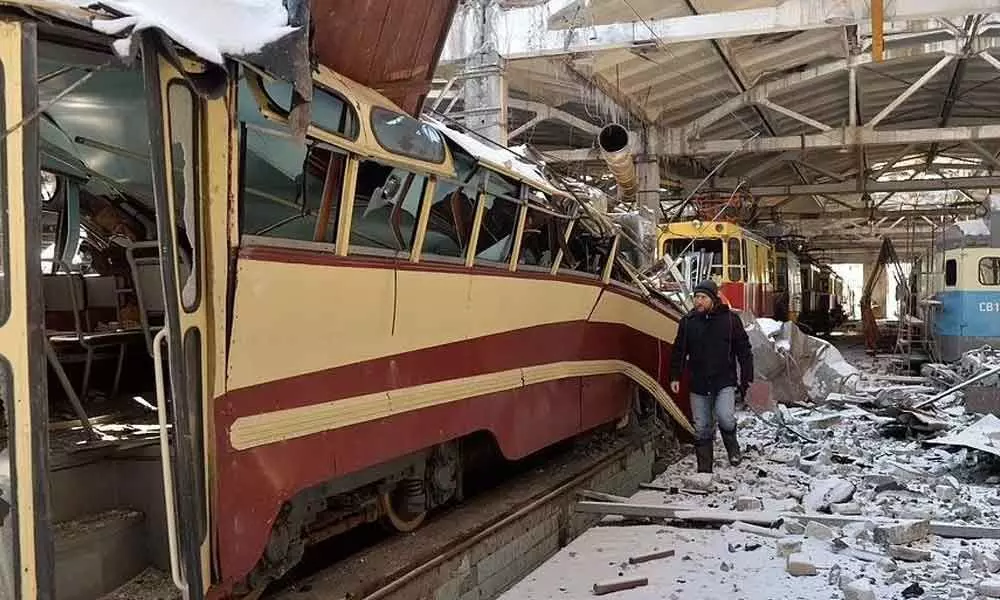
point(965, 311)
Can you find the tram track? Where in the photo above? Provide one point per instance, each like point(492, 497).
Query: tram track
point(482, 546)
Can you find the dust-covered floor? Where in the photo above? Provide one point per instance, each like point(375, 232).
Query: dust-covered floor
point(862, 457)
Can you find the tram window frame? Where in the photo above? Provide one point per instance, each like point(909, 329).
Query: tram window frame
point(390, 143)
point(994, 262)
point(468, 186)
point(581, 230)
point(305, 191)
point(498, 188)
point(189, 198)
point(951, 272)
point(348, 124)
point(551, 232)
point(410, 181)
point(736, 270)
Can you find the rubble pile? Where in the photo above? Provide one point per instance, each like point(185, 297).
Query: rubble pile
point(860, 486)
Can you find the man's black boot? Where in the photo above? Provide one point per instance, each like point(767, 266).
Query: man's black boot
point(732, 447)
point(703, 451)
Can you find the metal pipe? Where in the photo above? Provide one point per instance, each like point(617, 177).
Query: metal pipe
point(614, 142)
point(878, 30)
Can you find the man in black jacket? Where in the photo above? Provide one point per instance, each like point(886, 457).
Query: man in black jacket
point(711, 341)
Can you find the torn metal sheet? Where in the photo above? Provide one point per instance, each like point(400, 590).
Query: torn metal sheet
point(983, 435)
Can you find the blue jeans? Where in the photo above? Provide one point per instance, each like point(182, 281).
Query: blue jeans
point(707, 409)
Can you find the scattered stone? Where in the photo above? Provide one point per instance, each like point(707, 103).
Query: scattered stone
point(783, 456)
point(751, 547)
point(725, 567)
point(989, 587)
point(794, 527)
point(833, 577)
point(904, 532)
point(799, 565)
point(845, 508)
point(985, 561)
point(782, 505)
point(824, 492)
point(698, 481)
point(909, 554)
point(913, 590)
point(819, 531)
point(859, 589)
point(887, 564)
point(945, 492)
point(788, 546)
point(749, 503)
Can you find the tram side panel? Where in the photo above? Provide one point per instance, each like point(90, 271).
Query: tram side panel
point(968, 316)
point(338, 365)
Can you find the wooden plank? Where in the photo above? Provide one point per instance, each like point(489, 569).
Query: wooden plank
point(642, 558)
point(617, 585)
point(603, 497)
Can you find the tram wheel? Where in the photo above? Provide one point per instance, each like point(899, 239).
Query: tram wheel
point(398, 504)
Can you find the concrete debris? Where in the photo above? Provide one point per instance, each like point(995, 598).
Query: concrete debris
point(825, 492)
point(799, 565)
point(859, 589)
point(787, 546)
point(905, 532)
point(909, 554)
point(845, 508)
point(698, 481)
point(819, 531)
point(749, 503)
point(989, 588)
point(856, 478)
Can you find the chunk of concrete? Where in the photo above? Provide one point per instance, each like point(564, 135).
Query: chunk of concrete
point(825, 492)
point(698, 481)
point(909, 554)
point(945, 492)
point(859, 589)
point(799, 565)
point(904, 532)
point(749, 503)
point(989, 587)
point(788, 546)
point(781, 504)
point(845, 508)
point(794, 527)
point(819, 531)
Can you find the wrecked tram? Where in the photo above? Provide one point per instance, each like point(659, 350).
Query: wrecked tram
point(255, 338)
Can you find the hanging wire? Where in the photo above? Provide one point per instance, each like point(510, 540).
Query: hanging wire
point(663, 46)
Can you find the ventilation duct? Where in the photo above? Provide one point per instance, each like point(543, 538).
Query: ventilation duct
point(616, 150)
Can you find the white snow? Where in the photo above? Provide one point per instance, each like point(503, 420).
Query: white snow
point(496, 155)
point(209, 28)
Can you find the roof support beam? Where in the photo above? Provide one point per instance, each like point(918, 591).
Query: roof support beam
point(525, 33)
point(860, 186)
point(914, 87)
point(544, 112)
point(793, 115)
point(673, 143)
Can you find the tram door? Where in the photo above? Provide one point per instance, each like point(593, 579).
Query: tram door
point(26, 562)
point(189, 151)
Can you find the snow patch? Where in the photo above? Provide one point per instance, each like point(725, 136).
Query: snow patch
point(211, 29)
